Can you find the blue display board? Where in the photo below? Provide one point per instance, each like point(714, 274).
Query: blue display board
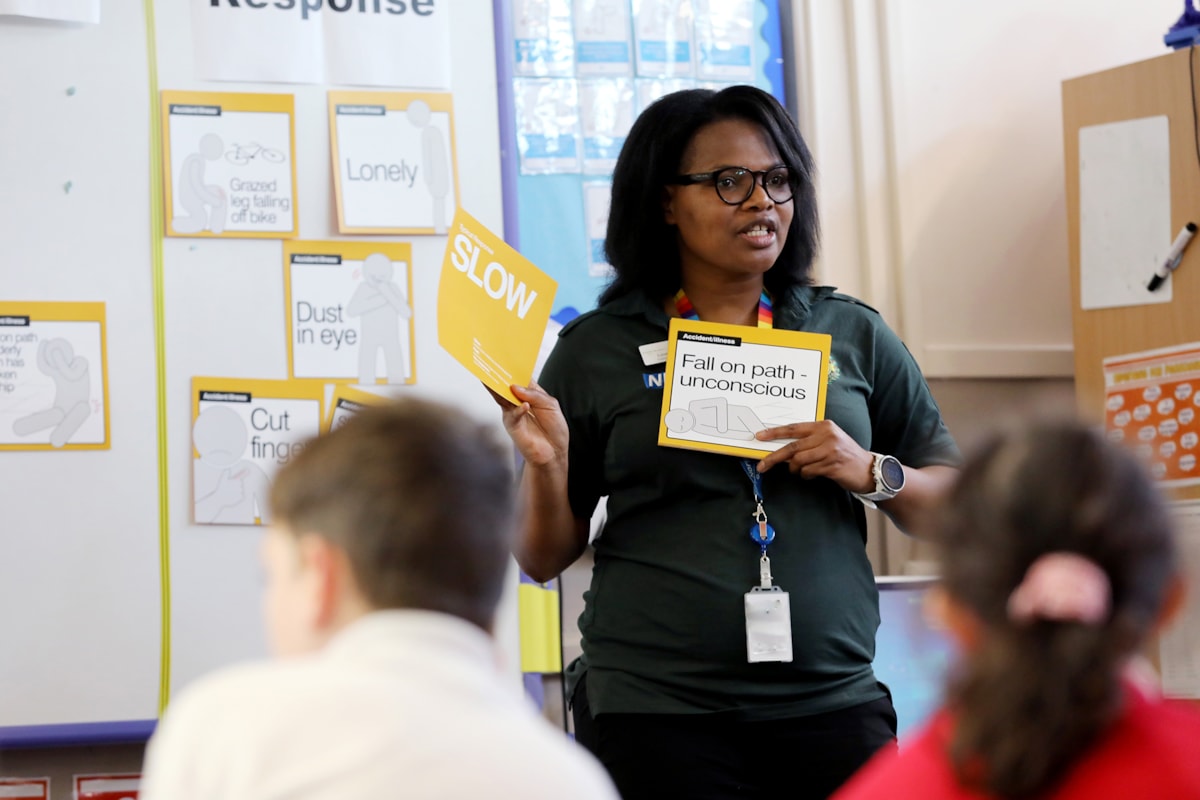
point(545, 216)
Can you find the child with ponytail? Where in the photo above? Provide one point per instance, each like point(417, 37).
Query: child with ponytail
point(1058, 565)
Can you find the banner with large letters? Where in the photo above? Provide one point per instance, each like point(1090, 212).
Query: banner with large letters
point(393, 43)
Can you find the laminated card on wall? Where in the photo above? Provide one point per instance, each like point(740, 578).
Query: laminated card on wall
point(394, 163)
point(229, 165)
point(243, 431)
point(493, 306)
point(725, 383)
point(53, 377)
point(346, 402)
point(349, 311)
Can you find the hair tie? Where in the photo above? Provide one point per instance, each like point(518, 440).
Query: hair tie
point(1062, 587)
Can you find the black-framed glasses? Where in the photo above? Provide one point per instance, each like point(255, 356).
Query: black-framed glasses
point(734, 185)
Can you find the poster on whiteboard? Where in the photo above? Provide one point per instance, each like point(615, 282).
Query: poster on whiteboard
point(243, 431)
point(349, 311)
point(228, 165)
point(394, 166)
point(346, 402)
point(394, 43)
point(53, 377)
point(58, 10)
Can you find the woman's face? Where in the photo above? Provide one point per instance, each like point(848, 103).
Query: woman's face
point(716, 239)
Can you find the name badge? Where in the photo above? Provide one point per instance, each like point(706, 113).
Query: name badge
point(768, 625)
point(654, 353)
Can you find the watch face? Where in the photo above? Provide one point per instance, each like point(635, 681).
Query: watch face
point(892, 473)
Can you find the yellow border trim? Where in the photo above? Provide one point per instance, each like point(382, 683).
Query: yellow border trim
point(157, 226)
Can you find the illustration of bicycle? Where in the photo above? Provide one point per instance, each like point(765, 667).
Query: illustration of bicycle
point(243, 155)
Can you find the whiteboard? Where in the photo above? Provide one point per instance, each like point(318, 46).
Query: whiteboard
point(80, 589)
point(1124, 211)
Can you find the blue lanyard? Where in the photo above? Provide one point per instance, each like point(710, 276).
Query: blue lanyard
point(761, 533)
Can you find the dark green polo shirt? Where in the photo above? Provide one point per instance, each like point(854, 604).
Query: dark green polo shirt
point(663, 627)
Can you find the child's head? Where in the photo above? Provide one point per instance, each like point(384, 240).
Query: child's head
point(1057, 550)
point(406, 506)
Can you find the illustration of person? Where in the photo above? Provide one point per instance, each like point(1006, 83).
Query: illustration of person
point(72, 393)
point(381, 304)
point(434, 161)
point(714, 416)
point(203, 203)
point(228, 489)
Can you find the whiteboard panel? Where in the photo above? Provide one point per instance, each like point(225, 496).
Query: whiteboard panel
point(79, 601)
point(80, 590)
point(1124, 211)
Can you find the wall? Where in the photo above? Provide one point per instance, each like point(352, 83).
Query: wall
point(937, 129)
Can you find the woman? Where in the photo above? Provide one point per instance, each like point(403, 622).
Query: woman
point(713, 215)
point(1058, 565)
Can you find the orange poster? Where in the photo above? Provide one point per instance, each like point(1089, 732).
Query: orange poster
point(1152, 400)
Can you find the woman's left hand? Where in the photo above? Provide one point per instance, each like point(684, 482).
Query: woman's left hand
point(821, 449)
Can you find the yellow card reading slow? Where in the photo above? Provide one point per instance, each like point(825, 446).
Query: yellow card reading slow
point(493, 306)
point(725, 383)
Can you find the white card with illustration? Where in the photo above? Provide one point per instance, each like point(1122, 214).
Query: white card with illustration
point(53, 377)
point(243, 431)
point(726, 383)
point(346, 402)
point(394, 165)
point(229, 165)
point(349, 311)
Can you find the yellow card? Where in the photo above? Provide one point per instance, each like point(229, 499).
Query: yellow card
point(349, 311)
point(348, 401)
point(724, 383)
point(53, 377)
point(229, 165)
point(243, 430)
point(493, 306)
point(394, 167)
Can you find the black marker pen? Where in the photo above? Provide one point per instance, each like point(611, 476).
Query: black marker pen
point(1174, 256)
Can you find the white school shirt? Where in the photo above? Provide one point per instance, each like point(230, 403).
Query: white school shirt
point(401, 704)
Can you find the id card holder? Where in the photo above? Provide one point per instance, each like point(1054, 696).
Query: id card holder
point(768, 625)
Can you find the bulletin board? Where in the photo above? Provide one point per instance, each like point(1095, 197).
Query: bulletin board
point(1157, 334)
point(112, 596)
point(573, 74)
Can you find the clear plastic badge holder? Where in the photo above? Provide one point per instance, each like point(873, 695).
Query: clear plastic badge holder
point(768, 620)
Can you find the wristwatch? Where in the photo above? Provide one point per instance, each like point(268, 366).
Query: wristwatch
point(889, 479)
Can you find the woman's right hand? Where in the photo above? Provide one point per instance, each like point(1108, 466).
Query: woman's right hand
point(536, 426)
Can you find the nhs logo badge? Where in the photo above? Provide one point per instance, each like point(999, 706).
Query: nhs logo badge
point(653, 380)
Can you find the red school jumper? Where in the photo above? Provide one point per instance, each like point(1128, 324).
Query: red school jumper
point(1151, 752)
